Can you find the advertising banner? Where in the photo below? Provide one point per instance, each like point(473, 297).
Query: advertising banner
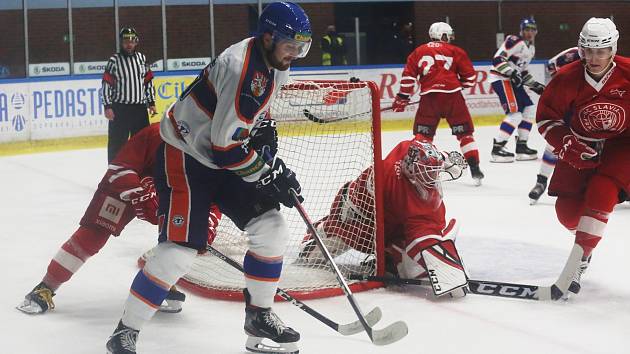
point(35, 109)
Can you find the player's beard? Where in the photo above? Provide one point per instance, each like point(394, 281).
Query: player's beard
point(278, 64)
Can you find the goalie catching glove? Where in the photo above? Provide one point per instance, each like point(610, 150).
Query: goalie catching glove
point(278, 183)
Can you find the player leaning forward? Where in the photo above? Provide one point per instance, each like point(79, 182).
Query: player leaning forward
point(583, 114)
point(206, 159)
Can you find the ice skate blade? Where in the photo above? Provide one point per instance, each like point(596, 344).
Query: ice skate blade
point(533, 201)
point(502, 159)
point(524, 157)
point(477, 182)
point(30, 308)
point(256, 345)
point(171, 306)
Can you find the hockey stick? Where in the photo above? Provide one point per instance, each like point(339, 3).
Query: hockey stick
point(477, 287)
point(390, 334)
point(313, 118)
point(345, 329)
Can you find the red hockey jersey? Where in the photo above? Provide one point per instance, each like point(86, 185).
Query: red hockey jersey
point(437, 67)
point(133, 162)
point(594, 111)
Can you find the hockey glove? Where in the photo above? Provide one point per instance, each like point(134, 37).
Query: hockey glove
point(144, 201)
point(278, 183)
point(454, 164)
point(400, 102)
point(576, 153)
point(516, 78)
point(264, 138)
point(537, 87)
point(213, 222)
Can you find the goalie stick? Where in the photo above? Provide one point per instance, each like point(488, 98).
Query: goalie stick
point(390, 334)
point(477, 287)
point(313, 118)
point(345, 329)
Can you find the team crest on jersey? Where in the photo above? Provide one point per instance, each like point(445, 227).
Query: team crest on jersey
point(602, 117)
point(258, 84)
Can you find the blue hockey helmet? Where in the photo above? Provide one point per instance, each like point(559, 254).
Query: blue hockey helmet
point(528, 23)
point(287, 21)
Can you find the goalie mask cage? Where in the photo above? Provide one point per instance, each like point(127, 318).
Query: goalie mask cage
point(329, 132)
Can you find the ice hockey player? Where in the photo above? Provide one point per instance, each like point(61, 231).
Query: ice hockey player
point(206, 159)
point(509, 75)
point(549, 159)
point(418, 240)
point(442, 70)
point(583, 115)
point(126, 191)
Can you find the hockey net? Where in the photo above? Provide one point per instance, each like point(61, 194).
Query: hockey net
point(329, 132)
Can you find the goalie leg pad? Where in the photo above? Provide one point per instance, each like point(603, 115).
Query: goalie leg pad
point(444, 267)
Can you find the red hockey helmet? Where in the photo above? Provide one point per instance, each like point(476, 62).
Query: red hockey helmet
point(423, 164)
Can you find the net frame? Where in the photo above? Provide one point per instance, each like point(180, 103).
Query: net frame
point(236, 294)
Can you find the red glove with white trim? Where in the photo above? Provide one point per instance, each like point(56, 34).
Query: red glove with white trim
point(576, 153)
point(145, 202)
point(400, 102)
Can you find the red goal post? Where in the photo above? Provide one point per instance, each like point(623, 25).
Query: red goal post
point(329, 132)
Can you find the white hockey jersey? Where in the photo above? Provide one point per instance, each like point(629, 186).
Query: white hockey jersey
point(514, 54)
point(212, 119)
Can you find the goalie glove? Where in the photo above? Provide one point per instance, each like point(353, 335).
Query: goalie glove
point(143, 200)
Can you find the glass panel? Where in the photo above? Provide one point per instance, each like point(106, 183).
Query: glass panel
point(48, 36)
point(12, 39)
point(94, 34)
point(146, 17)
point(186, 38)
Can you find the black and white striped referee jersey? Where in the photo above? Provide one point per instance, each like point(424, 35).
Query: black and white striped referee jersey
point(128, 79)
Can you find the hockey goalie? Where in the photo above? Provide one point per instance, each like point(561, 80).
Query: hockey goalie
point(418, 241)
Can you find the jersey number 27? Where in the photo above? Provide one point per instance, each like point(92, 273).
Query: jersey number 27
point(427, 61)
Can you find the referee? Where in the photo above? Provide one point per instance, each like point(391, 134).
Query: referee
point(127, 92)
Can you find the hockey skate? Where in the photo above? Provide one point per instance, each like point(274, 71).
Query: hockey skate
point(538, 190)
point(475, 172)
point(523, 152)
point(123, 340)
point(39, 300)
point(500, 153)
point(263, 323)
point(173, 302)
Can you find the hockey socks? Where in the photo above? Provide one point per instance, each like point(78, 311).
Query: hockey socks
point(152, 284)
point(83, 244)
point(262, 275)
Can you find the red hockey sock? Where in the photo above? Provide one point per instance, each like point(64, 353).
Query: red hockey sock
point(469, 147)
point(83, 244)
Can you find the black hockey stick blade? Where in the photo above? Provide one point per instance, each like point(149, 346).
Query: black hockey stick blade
point(477, 287)
point(390, 334)
point(313, 118)
point(345, 329)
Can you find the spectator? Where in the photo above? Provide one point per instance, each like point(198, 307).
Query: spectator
point(333, 48)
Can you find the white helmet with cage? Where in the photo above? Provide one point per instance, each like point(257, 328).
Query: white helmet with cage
point(439, 29)
point(598, 33)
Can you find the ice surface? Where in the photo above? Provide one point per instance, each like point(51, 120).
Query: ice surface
point(43, 196)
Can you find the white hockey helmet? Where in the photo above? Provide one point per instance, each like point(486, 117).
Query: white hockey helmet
point(598, 33)
point(439, 29)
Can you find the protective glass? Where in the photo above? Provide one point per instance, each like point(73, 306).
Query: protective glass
point(297, 47)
